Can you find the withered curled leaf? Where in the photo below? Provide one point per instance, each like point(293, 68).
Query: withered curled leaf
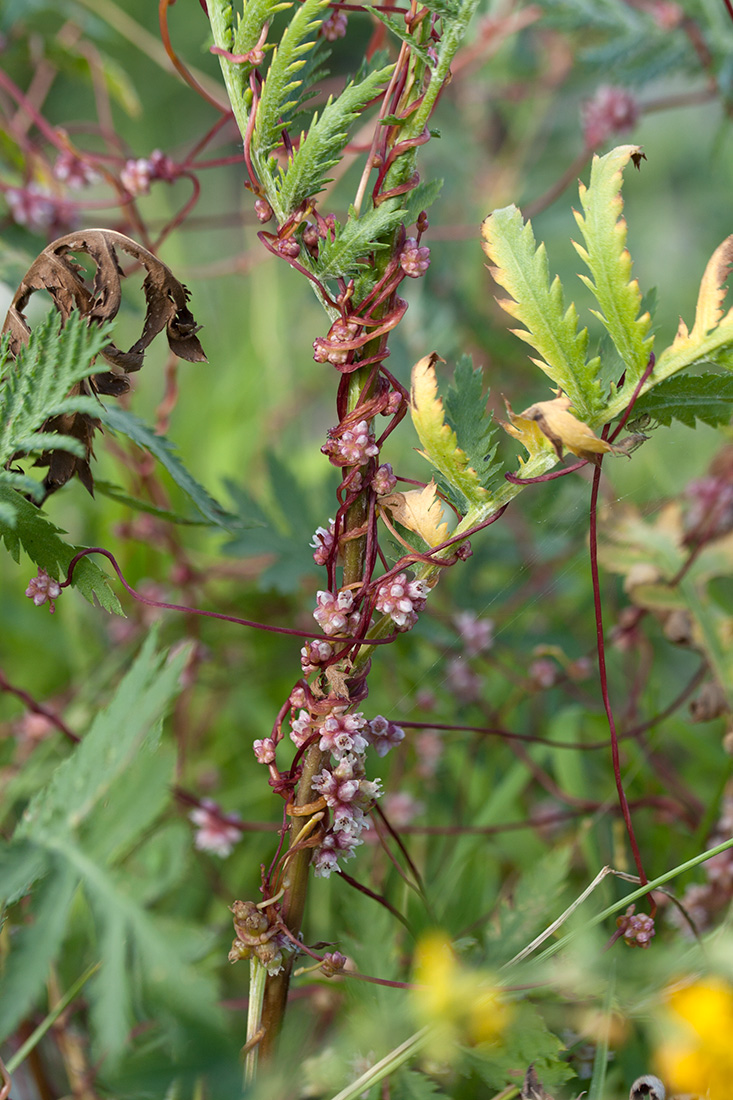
point(562, 428)
point(56, 271)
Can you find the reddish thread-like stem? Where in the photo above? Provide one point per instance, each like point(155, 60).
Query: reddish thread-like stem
point(601, 648)
point(215, 614)
point(37, 708)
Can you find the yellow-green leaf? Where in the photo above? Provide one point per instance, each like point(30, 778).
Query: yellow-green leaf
point(438, 439)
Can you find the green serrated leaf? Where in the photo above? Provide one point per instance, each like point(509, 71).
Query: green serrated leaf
point(520, 266)
point(687, 398)
point(283, 529)
point(321, 148)
point(115, 492)
point(39, 537)
point(35, 946)
point(119, 420)
point(440, 445)
point(465, 408)
point(421, 198)
point(609, 262)
point(398, 29)
point(282, 83)
point(117, 736)
point(36, 384)
point(354, 241)
point(526, 1041)
point(255, 14)
point(21, 863)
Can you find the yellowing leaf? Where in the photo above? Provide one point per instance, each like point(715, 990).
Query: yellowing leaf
point(564, 431)
point(419, 510)
point(710, 299)
point(440, 445)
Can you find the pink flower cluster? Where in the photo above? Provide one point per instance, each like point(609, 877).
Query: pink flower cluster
point(217, 831)
point(637, 929)
point(348, 794)
point(414, 260)
point(384, 480)
point(341, 332)
point(322, 543)
point(384, 735)
point(42, 589)
point(334, 26)
point(401, 600)
point(610, 110)
point(36, 208)
point(332, 612)
point(314, 655)
point(138, 174)
point(351, 447)
point(73, 171)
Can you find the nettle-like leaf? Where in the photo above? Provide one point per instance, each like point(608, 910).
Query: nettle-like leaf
point(120, 420)
point(440, 445)
point(321, 148)
point(34, 390)
point(609, 262)
point(63, 836)
point(466, 413)
point(22, 525)
point(689, 398)
point(521, 268)
point(282, 83)
point(57, 272)
point(279, 530)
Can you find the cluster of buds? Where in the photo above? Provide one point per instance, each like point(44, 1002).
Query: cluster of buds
point(328, 351)
point(74, 171)
point(139, 173)
point(414, 259)
point(259, 935)
point(637, 929)
point(36, 208)
point(216, 831)
point(352, 446)
point(43, 589)
point(322, 543)
point(609, 111)
point(332, 612)
point(401, 599)
point(334, 26)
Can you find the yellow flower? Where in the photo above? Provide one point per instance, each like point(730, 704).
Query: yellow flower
point(697, 1057)
point(461, 1004)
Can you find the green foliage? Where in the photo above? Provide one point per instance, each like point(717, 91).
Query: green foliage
point(347, 253)
point(466, 413)
point(282, 530)
point(96, 806)
point(320, 149)
point(120, 420)
point(281, 90)
point(526, 1041)
point(520, 266)
point(30, 529)
point(254, 16)
point(607, 258)
point(35, 387)
point(689, 398)
point(438, 437)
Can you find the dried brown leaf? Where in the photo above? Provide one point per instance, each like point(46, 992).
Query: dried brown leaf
point(564, 430)
point(56, 271)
